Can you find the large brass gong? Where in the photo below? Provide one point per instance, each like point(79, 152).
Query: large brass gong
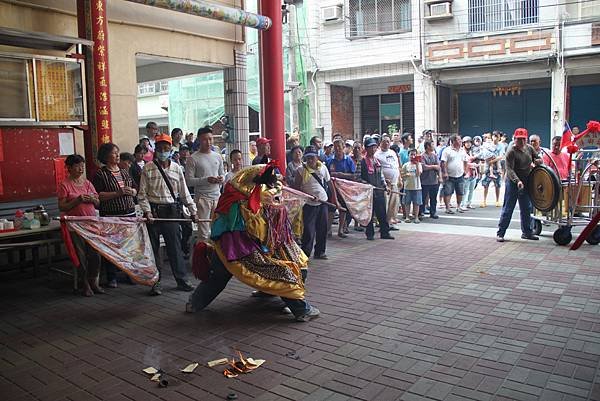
point(544, 188)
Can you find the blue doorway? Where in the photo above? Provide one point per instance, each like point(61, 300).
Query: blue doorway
point(583, 105)
point(481, 112)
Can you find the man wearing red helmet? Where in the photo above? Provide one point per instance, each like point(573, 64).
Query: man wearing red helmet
point(520, 158)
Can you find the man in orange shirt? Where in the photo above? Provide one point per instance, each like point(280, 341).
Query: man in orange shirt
point(562, 160)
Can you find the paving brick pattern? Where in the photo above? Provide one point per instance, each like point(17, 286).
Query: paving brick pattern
point(425, 317)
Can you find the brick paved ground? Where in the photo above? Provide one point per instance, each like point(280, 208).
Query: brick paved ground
point(402, 320)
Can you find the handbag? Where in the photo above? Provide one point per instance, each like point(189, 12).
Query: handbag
point(171, 210)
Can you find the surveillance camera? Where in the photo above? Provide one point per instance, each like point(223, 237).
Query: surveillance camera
point(437, 82)
point(293, 84)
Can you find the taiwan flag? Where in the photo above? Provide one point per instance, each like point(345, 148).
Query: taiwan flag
point(567, 137)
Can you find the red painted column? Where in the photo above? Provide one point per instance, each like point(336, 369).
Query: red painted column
point(101, 78)
point(93, 25)
point(271, 80)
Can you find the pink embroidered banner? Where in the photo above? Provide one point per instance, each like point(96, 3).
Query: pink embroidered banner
point(358, 198)
point(124, 241)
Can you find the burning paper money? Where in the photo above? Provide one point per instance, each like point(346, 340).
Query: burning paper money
point(241, 366)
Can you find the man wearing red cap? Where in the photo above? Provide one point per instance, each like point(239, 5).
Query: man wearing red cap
point(162, 194)
point(520, 158)
point(263, 149)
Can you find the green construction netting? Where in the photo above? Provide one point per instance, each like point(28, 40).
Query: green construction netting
point(302, 53)
point(199, 100)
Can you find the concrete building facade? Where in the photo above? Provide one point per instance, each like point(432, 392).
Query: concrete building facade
point(366, 56)
point(500, 65)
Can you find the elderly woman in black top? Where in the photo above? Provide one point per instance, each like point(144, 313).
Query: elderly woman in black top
point(116, 192)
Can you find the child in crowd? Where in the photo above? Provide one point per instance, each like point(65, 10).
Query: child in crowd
point(411, 175)
point(236, 160)
point(488, 152)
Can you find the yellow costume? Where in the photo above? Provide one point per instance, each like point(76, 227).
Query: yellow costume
point(253, 239)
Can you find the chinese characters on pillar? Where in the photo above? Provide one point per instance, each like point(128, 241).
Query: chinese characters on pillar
point(101, 78)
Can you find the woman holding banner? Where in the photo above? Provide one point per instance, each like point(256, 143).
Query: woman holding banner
point(77, 197)
point(116, 193)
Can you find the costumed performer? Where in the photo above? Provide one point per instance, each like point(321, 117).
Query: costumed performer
point(253, 241)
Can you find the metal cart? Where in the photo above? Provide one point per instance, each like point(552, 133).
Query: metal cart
point(567, 204)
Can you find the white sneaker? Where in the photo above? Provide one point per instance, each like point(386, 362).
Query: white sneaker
point(417, 221)
point(310, 314)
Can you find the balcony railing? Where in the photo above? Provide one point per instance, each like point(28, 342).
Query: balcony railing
point(377, 17)
point(497, 15)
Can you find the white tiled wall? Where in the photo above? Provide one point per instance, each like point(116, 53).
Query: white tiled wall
point(368, 65)
point(458, 26)
point(371, 80)
point(336, 52)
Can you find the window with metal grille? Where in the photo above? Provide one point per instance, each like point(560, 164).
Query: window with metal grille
point(582, 9)
point(146, 88)
point(496, 15)
point(377, 17)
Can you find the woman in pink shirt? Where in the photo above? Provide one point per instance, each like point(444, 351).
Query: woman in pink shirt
point(77, 197)
point(145, 143)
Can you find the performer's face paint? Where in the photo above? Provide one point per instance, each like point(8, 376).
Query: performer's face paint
point(272, 196)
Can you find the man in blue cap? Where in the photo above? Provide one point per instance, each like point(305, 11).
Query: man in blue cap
point(313, 178)
point(371, 174)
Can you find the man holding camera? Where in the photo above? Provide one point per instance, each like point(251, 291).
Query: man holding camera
point(162, 194)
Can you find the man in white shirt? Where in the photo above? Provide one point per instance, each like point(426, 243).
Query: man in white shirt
point(312, 178)
point(391, 172)
point(204, 171)
point(454, 165)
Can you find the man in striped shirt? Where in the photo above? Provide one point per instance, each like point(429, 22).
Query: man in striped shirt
point(156, 201)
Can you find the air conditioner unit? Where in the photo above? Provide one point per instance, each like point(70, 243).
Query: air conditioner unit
point(332, 14)
point(440, 11)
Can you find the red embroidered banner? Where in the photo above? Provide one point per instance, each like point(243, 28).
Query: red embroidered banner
point(101, 76)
